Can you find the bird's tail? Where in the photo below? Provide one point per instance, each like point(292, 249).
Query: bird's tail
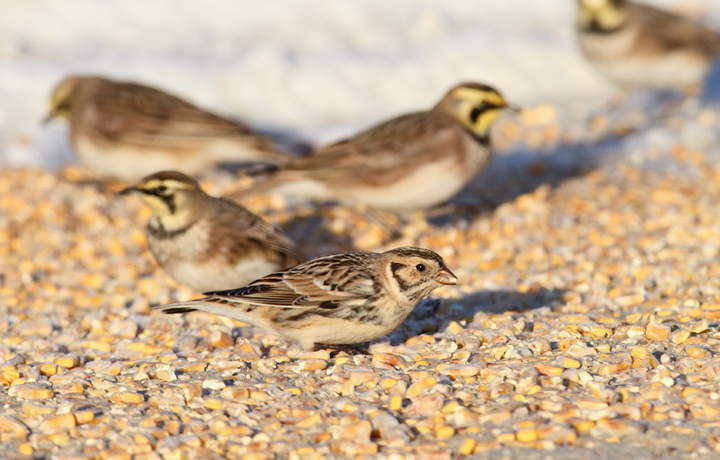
point(213, 305)
point(251, 149)
point(263, 186)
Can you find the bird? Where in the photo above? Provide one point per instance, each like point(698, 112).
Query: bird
point(126, 130)
point(209, 243)
point(332, 301)
point(638, 46)
point(414, 161)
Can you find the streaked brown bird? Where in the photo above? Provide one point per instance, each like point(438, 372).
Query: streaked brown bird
point(128, 130)
point(332, 301)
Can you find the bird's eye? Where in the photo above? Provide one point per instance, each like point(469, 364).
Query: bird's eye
point(420, 267)
point(162, 189)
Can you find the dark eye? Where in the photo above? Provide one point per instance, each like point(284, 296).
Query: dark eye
point(420, 267)
point(162, 189)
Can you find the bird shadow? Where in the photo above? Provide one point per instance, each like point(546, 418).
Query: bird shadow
point(488, 301)
point(514, 173)
point(312, 234)
point(434, 315)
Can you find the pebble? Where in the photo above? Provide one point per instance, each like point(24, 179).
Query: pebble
point(586, 314)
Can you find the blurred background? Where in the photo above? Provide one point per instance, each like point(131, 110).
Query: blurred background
point(320, 69)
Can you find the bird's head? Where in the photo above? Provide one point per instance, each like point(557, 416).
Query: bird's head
point(170, 195)
point(415, 272)
point(62, 98)
point(601, 15)
point(476, 106)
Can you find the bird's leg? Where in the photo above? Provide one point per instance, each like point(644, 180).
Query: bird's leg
point(350, 350)
point(390, 222)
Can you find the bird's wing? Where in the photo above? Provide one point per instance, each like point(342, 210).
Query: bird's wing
point(320, 283)
point(679, 32)
point(396, 143)
point(145, 116)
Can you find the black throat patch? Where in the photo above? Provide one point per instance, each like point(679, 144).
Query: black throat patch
point(161, 233)
point(595, 28)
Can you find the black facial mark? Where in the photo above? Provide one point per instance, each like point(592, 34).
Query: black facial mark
point(161, 234)
point(475, 114)
point(160, 193)
point(597, 28)
point(394, 267)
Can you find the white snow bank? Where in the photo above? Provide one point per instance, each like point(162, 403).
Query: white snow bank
point(320, 68)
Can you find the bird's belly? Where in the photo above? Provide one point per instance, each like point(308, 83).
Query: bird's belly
point(616, 57)
point(335, 331)
point(131, 163)
point(672, 71)
point(427, 186)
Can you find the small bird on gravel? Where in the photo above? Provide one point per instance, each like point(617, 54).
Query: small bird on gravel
point(332, 301)
point(208, 243)
point(638, 46)
point(413, 161)
point(127, 130)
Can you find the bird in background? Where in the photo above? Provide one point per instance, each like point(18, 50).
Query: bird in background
point(414, 161)
point(332, 301)
point(127, 130)
point(639, 46)
point(208, 243)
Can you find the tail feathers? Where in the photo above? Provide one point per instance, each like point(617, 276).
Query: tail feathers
point(289, 183)
point(251, 148)
point(179, 307)
point(178, 310)
point(215, 306)
point(265, 187)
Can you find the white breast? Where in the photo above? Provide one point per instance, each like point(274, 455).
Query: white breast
point(181, 258)
point(613, 56)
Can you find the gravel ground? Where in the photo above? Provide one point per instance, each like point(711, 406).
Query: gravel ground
point(585, 324)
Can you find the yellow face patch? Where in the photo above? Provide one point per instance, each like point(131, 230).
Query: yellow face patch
point(477, 109)
point(168, 183)
point(602, 12)
point(478, 96)
point(60, 100)
point(155, 202)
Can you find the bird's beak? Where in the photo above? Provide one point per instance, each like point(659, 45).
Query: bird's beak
point(47, 118)
point(514, 107)
point(446, 277)
point(128, 191)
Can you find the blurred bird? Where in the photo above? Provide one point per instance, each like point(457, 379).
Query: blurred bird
point(127, 130)
point(332, 301)
point(416, 160)
point(209, 243)
point(638, 46)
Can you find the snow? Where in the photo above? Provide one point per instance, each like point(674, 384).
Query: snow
point(321, 69)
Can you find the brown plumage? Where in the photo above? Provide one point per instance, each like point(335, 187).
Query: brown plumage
point(209, 243)
point(338, 299)
point(413, 161)
point(128, 130)
point(639, 46)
